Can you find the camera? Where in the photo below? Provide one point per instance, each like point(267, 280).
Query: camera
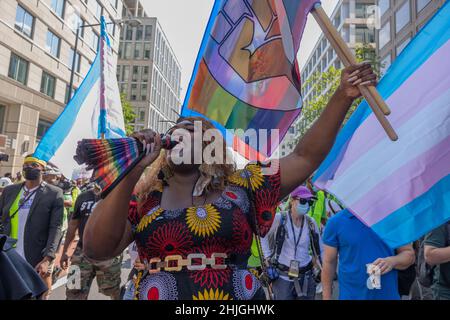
point(65, 185)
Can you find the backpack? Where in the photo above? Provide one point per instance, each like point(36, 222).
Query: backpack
point(281, 234)
point(425, 271)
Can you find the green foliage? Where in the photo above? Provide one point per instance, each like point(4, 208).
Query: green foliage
point(128, 114)
point(324, 84)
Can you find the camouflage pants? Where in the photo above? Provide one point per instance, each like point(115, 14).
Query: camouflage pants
point(82, 273)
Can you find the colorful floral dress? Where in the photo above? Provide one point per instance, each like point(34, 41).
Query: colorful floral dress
point(224, 226)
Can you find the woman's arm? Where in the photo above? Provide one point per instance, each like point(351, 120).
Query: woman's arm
point(318, 141)
point(108, 231)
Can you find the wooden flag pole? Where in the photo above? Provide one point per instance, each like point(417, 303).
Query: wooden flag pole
point(375, 101)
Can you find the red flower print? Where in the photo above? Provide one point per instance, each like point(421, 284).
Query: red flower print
point(266, 203)
point(242, 233)
point(169, 239)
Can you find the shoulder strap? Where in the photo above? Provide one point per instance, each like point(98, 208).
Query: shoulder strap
point(280, 235)
point(258, 239)
point(314, 240)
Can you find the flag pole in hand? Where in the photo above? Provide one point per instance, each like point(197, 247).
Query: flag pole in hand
point(370, 93)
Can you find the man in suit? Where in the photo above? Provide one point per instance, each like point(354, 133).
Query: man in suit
point(32, 212)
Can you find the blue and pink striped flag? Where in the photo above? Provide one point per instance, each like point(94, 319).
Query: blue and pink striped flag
point(94, 110)
point(400, 189)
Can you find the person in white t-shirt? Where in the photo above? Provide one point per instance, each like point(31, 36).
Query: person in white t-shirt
point(293, 249)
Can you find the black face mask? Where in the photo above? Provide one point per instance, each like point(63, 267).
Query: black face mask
point(31, 173)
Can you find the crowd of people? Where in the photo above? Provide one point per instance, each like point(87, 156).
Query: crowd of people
point(209, 231)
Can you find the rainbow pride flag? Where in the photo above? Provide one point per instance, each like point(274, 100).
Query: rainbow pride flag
point(400, 189)
point(246, 75)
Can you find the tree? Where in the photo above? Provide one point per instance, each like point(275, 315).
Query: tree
point(128, 114)
point(323, 86)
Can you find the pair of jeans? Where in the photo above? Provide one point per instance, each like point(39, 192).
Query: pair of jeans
point(285, 290)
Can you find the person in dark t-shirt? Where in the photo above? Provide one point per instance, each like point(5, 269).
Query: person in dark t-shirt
point(82, 271)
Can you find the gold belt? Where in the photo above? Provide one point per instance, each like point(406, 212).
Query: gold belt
point(156, 265)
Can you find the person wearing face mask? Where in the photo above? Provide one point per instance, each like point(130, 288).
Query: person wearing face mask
point(293, 249)
point(32, 213)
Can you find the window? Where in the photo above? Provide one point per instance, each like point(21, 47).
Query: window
point(144, 88)
point(43, 127)
point(126, 73)
point(141, 115)
point(148, 33)
point(58, 7)
point(139, 33)
point(2, 117)
point(82, 23)
point(66, 95)
point(361, 10)
point(145, 71)
point(135, 73)
point(124, 89)
point(128, 51)
point(94, 40)
point(24, 22)
point(384, 6)
point(129, 33)
point(96, 8)
point(385, 34)
point(364, 35)
point(402, 17)
point(48, 84)
point(114, 3)
point(18, 69)
point(337, 20)
point(53, 44)
point(77, 61)
point(147, 51)
point(402, 46)
point(422, 4)
point(138, 51)
point(134, 94)
point(385, 63)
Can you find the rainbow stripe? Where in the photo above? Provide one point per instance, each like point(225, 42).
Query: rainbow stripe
point(247, 75)
point(110, 159)
point(402, 189)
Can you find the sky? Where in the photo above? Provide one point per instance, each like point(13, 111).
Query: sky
point(184, 23)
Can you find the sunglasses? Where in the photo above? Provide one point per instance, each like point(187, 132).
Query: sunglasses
point(305, 201)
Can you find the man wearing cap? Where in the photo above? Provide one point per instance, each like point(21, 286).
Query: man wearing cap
point(292, 247)
point(32, 213)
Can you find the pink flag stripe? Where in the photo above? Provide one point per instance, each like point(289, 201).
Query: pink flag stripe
point(434, 72)
point(428, 127)
point(410, 182)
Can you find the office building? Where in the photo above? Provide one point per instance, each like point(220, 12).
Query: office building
point(37, 40)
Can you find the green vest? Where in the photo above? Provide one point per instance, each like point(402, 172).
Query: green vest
point(318, 210)
point(15, 220)
point(254, 260)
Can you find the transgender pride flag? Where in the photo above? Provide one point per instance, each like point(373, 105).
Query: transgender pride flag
point(400, 189)
point(246, 75)
point(94, 110)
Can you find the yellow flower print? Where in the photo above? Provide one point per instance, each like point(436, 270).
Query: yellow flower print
point(149, 218)
point(212, 295)
point(252, 173)
point(203, 221)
